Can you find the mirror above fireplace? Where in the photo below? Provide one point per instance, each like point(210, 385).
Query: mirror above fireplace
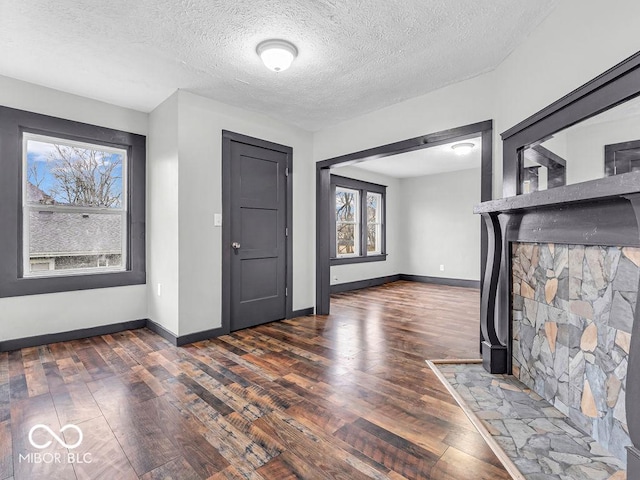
point(603, 145)
point(590, 134)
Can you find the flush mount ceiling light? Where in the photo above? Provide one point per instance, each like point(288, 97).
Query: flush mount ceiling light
point(277, 55)
point(463, 148)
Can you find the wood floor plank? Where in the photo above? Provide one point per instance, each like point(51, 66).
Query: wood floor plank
point(135, 426)
point(58, 351)
point(18, 388)
point(6, 450)
point(302, 457)
point(411, 461)
point(325, 452)
point(26, 414)
point(248, 428)
point(35, 376)
point(472, 444)
point(93, 362)
point(343, 396)
point(5, 395)
point(205, 395)
point(74, 403)
point(187, 435)
point(455, 465)
point(176, 469)
point(68, 370)
point(236, 447)
point(100, 456)
point(310, 414)
point(279, 468)
point(110, 357)
point(232, 473)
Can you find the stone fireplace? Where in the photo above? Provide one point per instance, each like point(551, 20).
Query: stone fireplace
point(573, 308)
point(559, 304)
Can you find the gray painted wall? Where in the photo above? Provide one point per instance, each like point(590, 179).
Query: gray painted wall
point(162, 215)
point(438, 226)
point(60, 312)
point(197, 277)
point(430, 222)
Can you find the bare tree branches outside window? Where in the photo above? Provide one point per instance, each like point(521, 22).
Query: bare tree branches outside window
point(78, 176)
point(359, 221)
point(347, 221)
point(75, 215)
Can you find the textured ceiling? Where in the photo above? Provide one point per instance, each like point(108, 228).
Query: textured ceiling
point(427, 161)
point(355, 56)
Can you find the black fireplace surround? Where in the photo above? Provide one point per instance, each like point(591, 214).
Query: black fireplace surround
point(604, 211)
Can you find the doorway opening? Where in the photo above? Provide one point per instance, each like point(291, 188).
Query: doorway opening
point(326, 199)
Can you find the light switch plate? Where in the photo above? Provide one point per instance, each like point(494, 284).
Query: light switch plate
point(217, 219)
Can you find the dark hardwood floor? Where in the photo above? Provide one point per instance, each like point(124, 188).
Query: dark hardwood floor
point(347, 396)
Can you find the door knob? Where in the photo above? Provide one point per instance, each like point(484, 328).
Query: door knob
point(235, 245)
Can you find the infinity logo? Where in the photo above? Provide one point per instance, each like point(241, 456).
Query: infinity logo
point(56, 437)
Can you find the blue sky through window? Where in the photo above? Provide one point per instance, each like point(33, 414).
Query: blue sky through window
point(75, 174)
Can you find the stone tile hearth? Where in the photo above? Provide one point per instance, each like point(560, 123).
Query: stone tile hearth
point(573, 310)
point(539, 439)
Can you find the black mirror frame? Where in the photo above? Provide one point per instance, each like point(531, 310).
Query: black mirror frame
point(617, 85)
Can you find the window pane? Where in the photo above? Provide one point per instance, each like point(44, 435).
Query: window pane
point(373, 238)
point(346, 235)
point(63, 241)
point(67, 187)
point(60, 172)
point(374, 207)
point(346, 205)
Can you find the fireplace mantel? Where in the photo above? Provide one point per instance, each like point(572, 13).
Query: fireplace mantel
point(603, 189)
point(603, 212)
point(600, 212)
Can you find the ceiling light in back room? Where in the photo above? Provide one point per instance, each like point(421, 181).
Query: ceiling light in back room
point(277, 55)
point(463, 148)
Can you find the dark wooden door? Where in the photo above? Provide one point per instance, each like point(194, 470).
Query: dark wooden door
point(258, 203)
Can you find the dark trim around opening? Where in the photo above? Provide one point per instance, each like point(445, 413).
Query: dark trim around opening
point(323, 192)
point(12, 124)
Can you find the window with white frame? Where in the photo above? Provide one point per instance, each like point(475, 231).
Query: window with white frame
point(359, 233)
point(74, 207)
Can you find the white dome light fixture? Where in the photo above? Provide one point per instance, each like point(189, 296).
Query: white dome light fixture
point(463, 148)
point(277, 55)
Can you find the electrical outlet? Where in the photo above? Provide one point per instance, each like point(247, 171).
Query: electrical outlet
point(442, 268)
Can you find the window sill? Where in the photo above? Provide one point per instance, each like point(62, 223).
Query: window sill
point(349, 260)
point(36, 286)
